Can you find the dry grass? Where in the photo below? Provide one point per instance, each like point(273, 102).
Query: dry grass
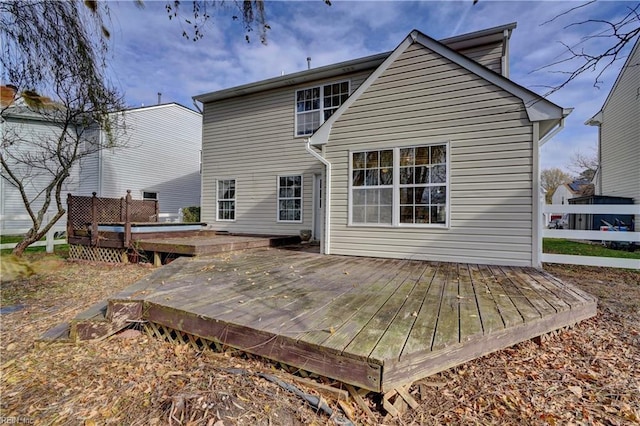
point(589, 374)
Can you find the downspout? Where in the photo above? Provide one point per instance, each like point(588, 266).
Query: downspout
point(327, 195)
point(536, 200)
point(506, 35)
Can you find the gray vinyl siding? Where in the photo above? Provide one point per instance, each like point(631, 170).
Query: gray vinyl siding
point(30, 132)
point(620, 135)
point(251, 139)
point(489, 55)
point(161, 154)
point(423, 98)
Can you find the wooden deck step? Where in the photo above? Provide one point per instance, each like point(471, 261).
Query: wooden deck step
point(58, 334)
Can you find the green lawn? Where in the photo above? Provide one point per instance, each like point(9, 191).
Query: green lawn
point(562, 246)
point(61, 249)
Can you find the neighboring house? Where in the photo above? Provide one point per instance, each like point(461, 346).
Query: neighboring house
point(426, 152)
point(160, 160)
point(619, 134)
point(566, 191)
point(22, 131)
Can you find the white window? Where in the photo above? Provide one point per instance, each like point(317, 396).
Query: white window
point(226, 200)
point(290, 198)
point(372, 187)
point(316, 104)
point(400, 186)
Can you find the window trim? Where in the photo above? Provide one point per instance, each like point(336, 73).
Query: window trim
point(321, 87)
point(150, 192)
point(234, 199)
point(301, 198)
point(395, 214)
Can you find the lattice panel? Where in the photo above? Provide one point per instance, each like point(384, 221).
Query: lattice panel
point(96, 254)
point(143, 211)
point(109, 210)
point(79, 212)
point(175, 336)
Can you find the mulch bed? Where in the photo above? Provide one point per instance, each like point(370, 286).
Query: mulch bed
point(589, 374)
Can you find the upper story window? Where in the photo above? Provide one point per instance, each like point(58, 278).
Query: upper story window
point(316, 104)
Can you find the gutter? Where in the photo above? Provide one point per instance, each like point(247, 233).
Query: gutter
point(327, 194)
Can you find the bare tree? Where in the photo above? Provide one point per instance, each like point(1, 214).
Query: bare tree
point(194, 17)
point(58, 48)
point(588, 55)
point(584, 165)
point(551, 179)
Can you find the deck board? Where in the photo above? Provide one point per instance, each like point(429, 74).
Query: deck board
point(393, 340)
point(470, 321)
point(491, 316)
point(423, 330)
point(447, 331)
point(380, 325)
point(372, 323)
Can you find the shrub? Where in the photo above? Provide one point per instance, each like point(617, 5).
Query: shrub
point(191, 214)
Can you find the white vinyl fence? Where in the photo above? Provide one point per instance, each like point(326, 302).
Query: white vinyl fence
point(50, 240)
point(602, 236)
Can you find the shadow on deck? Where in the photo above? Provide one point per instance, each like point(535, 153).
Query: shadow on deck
point(377, 324)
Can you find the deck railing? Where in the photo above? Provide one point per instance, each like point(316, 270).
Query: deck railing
point(603, 236)
point(85, 213)
point(49, 242)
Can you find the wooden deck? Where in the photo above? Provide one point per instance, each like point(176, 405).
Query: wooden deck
point(377, 324)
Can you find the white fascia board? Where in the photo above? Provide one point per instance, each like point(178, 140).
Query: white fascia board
point(321, 136)
point(596, 120)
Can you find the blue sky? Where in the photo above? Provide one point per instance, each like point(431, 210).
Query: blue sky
point(149, 54)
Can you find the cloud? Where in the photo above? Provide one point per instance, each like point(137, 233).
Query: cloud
point(150, 55)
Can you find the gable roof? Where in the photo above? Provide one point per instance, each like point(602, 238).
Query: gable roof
point(537, 108)
point(596, 120)
point(464, 41)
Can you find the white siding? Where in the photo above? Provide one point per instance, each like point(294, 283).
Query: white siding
point(89, 168)
point(562, 194)
point(620, 134)
point(28, 133)
point(161, 154)
point(423, 98)
point(251, 139)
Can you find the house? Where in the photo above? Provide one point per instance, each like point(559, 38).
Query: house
point(24, 131)
point(566, 191)
point(160, 159)
point(426, 152)
point(618, 124)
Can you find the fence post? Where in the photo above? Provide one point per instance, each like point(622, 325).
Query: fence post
point(49, 237)
point(70, 214)
point(127, 223)
point(94, 220)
